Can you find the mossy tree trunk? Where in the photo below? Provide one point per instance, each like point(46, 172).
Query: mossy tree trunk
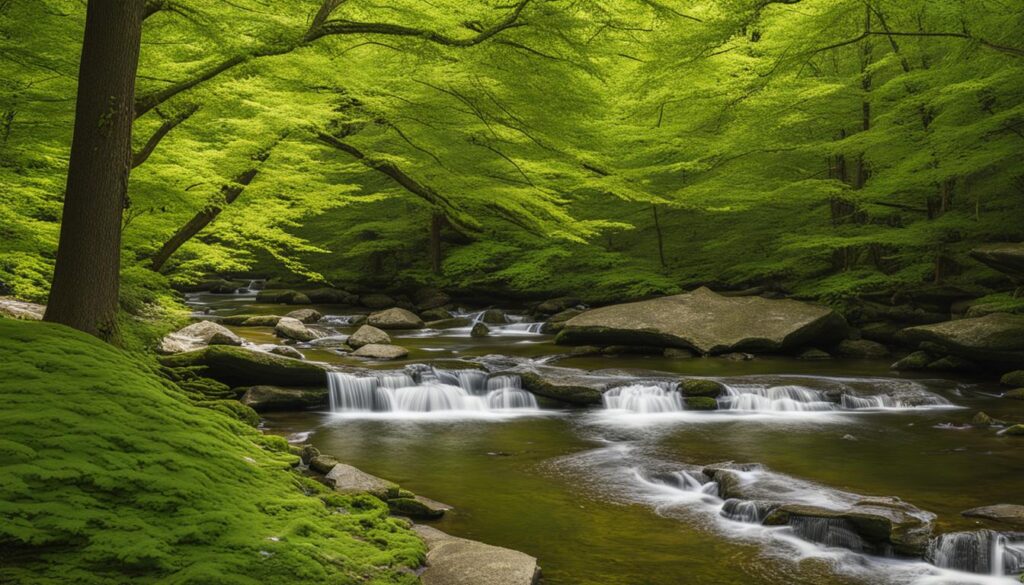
point(86, 276)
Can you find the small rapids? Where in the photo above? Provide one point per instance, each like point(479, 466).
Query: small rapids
point(985, 552)
point(427, 390)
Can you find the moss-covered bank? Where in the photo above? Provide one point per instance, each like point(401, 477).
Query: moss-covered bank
point(109, 474)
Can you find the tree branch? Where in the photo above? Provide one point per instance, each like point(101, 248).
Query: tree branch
point(140, 156)
point(1001, 48)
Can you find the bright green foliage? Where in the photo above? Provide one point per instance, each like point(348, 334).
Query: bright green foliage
point(109, 474)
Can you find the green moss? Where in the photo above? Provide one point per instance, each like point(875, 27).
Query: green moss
point(238, 366)
point(697, 387)
point(109, 475)
point(1014, 379)
point(1017, 394)
point(701, 403)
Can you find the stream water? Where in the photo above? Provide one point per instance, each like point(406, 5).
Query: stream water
point(614, 494)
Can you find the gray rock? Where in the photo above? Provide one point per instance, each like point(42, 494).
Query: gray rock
point(251, 320)
point(14, 309)
point(305, 315)
point(458, 561)
point(238, 366)
point(366, 335)
point(278, 398)
point(708, 323)
point(479, 330)
point(287, 351)
point(380, 351)
point(996, 339)
point(295, 329)
point(1012, 514)
point(349, 480)
point(395, 318)
point(861, 348)
point(196, 336)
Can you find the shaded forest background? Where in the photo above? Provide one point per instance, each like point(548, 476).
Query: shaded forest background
point(611, 150)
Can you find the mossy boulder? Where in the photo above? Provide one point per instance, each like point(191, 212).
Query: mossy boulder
point(700, 403)
point(265, 398)
point(1015, 431)
point(238, 366)
point(708, 323)
point(861, 349)
point(112, 475)
point(207, 388)
point(1014, 379)
point(479, 330)
point(1016, 394)
point(251, 320)
point(288, 297)
point(331, 296)
point(494, 317)
point(700, 387)
point(416, 507)
point(395, 318)
point(562, 384)
point(996, 339)
point(917, 360)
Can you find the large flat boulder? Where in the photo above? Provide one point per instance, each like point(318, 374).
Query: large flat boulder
point(238, 366)
point(458, 561)
point(707, 322)
point(1009, 514)
point(277, 398)
point(350, 480)
point(198, 335)
point(996, 339)
point(563, 384)
point(13, 308)
point(380, 351)
point(1006, 258)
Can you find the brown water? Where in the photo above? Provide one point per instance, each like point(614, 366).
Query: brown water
point(563, 485)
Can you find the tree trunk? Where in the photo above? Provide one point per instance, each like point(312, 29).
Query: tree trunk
point(87, 271)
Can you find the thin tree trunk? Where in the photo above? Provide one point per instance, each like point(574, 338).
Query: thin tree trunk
point(657, 231)
point(206, 216)
point(87, 271)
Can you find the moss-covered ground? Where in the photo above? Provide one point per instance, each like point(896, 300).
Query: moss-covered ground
point(110, 474)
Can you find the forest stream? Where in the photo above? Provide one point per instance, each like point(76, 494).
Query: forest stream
point(627, 482)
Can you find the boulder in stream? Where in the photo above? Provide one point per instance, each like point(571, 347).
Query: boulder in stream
point(1014, 379)
point(251, 320)
point(332, 296)
point(238, 366)
point(996, 339)
point(307, 316)
point(350, 480)
point(366, 335)
point(287, 351)
point(197, 335)
point(380, 351)
point(279, 398)
point(563, 384)
point(395, 318)
point(708, 323)
point(701, 387)
point(295, 329)
point(479, 330)
point(458, 561)
point(1009, 514)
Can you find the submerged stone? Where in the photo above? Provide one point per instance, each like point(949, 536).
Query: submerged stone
point(708, 323)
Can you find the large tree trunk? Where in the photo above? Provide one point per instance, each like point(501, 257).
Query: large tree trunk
point(87, 271)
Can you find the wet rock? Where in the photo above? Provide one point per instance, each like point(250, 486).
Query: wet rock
point(288, 297)
point(861, 349)
point(307, 316)
point(430, 298)
point(452, 323)
point(700, 403)
point(332, 296)
point(322, 464)
point(379, 351)
point(279, 398)
point(377, 301)
point(982, 419)
point(1013, 379)
point(12, 308)
point(366, 335)
point(479, 330)
point(287, 351)
point(295, 329)
point(238, 366)
point(395, 318)
point(564, 384)
point(457, 561)
point(814, 354)
point(1017, 394)
point(1015, 431)
point(677, 353)
point(556, 305)
point(251, 320)
point(494, 317)
point(435, 315)
point(349, 480)
point(707, 322)
point(700, 387)
point(556, 322)
point(197, 335)
point(917, 360)
point(951, 363)
point(1010, 514)
point(882, 523)
point(417, 508)
point(996, 339)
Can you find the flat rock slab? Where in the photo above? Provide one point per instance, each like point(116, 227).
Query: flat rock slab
point(458, 561)
point(1006, 258)
point(239, 366)
point(380, 351)
point(277, 398)
point(708, 323)
point(15, 309)
point(350, 480)
point(1010, 514)
point(993, 339)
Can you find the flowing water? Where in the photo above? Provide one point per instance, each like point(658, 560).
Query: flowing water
point(617, 494)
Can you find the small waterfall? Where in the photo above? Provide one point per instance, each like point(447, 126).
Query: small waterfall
point(749, 511)
point(681, 480)
point(851, 402)
point(835, 532)
point(985, 552)
point(773, 398)
point(427, 390)
point(646, 399)
point(254, 286)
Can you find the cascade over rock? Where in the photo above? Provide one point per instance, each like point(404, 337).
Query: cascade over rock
point(707, 322)
point(996, 339)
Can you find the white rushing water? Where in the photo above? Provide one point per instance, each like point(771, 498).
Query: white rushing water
point(431, 391)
